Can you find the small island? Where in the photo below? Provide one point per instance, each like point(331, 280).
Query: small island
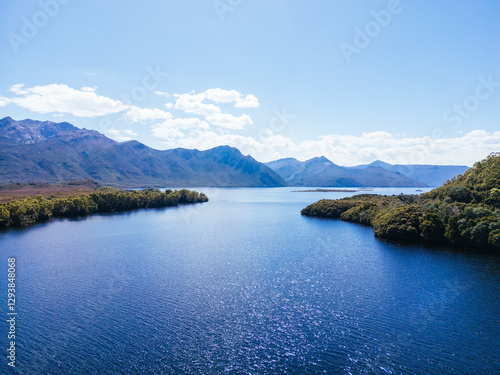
point(465, 211)
point(30, 210)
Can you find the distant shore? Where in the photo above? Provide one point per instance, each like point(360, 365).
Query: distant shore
point(331, 190)
point(17, 191)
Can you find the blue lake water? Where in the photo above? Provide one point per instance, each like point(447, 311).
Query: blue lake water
point(244, 284)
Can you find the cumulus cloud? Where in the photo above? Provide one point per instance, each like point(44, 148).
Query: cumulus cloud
point(228, 121)
point(85, 102)
point(121, 135)
point(171, 128)
point(222, 96)
point(205, 139)
point(18, 88)
point(130, 132)
point(228, 96)
point(184, 123)
point(194, 103)
point(161, 93)
point(60, 99)
point(89, 89)
point(250, 101)
point(138, 114)
point(4, 101)
point(166, 132)
point(64, 99)
point(353, 150)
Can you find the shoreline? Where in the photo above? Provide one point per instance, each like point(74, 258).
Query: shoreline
point(331, 191)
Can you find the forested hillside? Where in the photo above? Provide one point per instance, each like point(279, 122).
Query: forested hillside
point(465, 211)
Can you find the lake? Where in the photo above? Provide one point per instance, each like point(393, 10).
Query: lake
point(244, 284)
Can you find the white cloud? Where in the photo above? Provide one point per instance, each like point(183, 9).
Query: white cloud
point(353, 150)
point(250, 101)
point(138, 114)
point(18, 89)
point(64, 99)
point(228, 96)
point(171, 128)
point(222, 96)
point(161, 93)
point(4, 101)
point(85, 102)
point(205, 139)
point(184, 123)
point(121, 135)
point(193, 103)
point(89, 89)
point(130, 132)
point(228, 121)
point(166, 132)
point(61, 99)
point(90, 73)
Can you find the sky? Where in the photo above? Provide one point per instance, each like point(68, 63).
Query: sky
point(411, 82)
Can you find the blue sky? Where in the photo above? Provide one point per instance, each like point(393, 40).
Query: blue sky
point(402, 81)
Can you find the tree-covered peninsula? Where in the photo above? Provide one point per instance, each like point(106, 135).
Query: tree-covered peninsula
point(41, 208)
point(465, 211)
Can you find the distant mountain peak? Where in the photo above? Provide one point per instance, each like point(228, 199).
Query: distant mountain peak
point(319, 159)
point(224, 147)
point(6, 120)
point(227, 149)
point(380, 163)
point(320, 171)
point(133, 143)
point(31, 131)
point(286, 159)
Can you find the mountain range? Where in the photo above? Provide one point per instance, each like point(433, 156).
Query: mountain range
point(322, 172)
point(36, 151)
point(431, 175)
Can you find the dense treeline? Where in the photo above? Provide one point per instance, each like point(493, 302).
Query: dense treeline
point(31, 210)
point(465, 211)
